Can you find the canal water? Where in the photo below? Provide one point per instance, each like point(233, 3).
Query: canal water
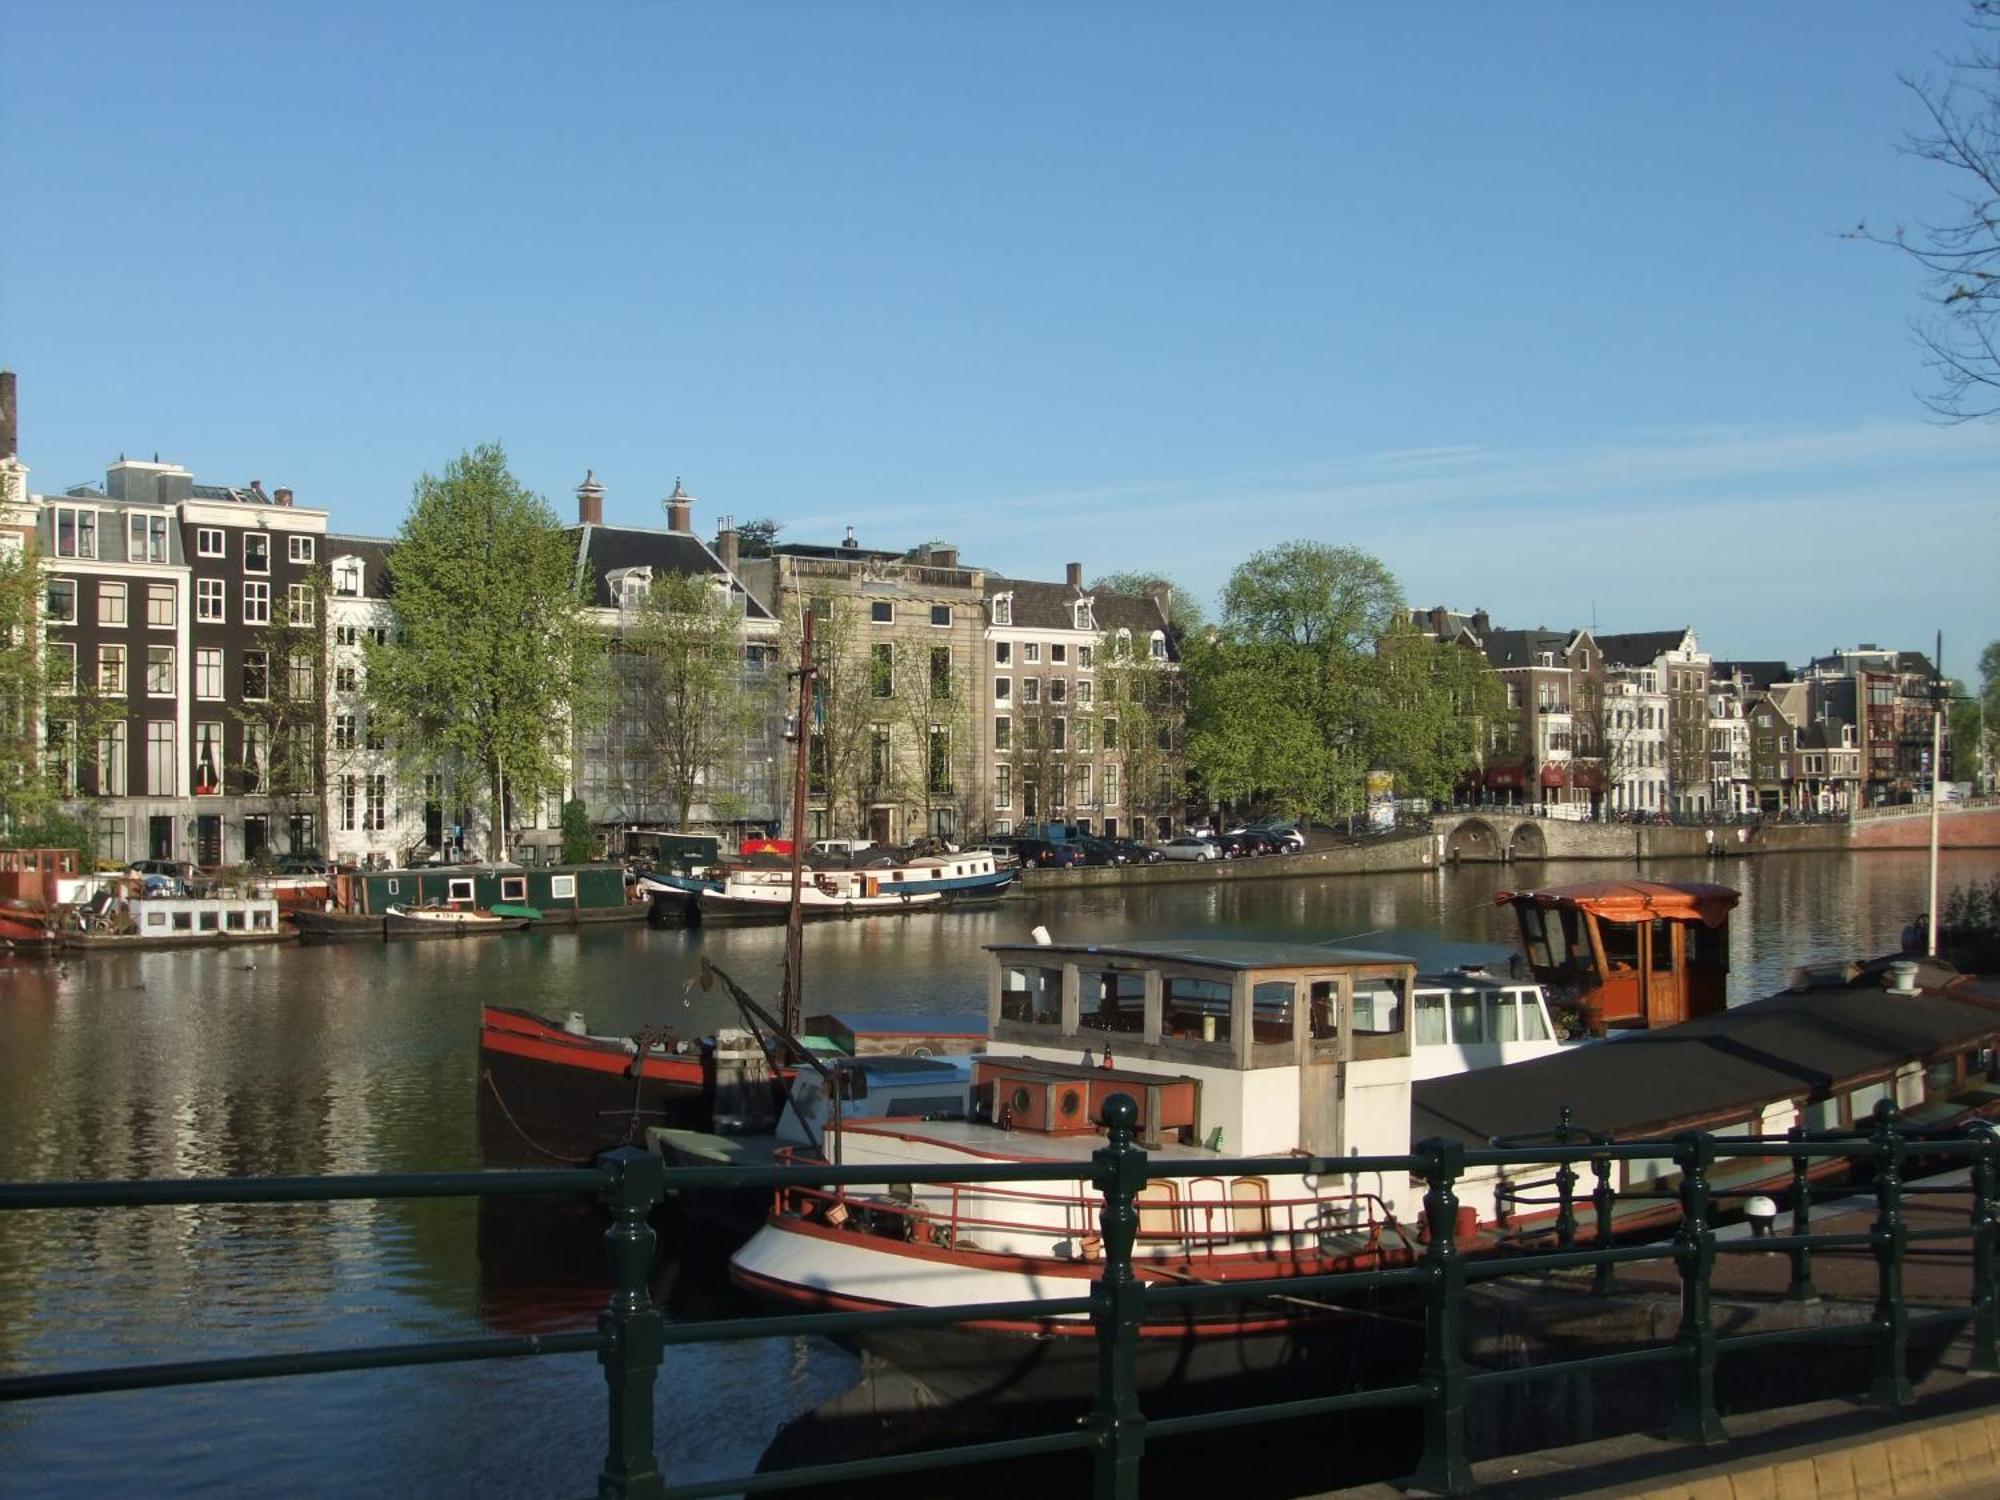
point(364, 1058)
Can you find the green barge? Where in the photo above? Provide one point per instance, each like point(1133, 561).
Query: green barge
point(560, 895)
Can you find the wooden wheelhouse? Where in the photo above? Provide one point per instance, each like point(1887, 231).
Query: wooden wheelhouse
point(1630, 954)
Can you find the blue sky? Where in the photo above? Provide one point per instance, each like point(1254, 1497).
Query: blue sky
point(1546, 305)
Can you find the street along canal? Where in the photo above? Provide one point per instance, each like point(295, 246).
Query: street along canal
point(363, 1058)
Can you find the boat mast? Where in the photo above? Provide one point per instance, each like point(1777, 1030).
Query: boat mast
point(794, 996)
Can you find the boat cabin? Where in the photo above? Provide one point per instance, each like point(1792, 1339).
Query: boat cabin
point(1471, 1019)
point(1288, 1046)
point(550, 890)
point(1629, 954)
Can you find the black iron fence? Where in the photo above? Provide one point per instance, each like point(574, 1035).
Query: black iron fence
point(633, 1337)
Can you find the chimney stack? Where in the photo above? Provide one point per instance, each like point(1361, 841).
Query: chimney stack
point(944, 557)
point(680, 509)
point(725, 543)
point(257, 489)
point(590, 500)
point(1482, 625)
point(9, 431)
point(1162, 595)
point(1076, 575)
point(848, 540)
point(281, 497)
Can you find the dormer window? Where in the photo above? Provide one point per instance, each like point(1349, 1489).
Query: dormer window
point(1123, 644)
point(347, 578)
point(1083, 615)
point(1159, 646)
point(629, 586)
point(76, 531)
point(1003, 609)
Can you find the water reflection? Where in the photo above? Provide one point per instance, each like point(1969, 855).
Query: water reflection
point(364, 1058)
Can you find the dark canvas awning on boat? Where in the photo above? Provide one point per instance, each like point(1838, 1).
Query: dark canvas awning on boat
point(1789, 1046)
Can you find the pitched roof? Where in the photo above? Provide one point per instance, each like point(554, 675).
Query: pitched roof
point(1524, 648)
point(373, 551)
point(605, 550)
point(1048, 606)
point(1756, 674)
point(1640, 648)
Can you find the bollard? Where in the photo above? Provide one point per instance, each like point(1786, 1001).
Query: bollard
point(1601, 1198)
point(1985, 1292)
point(1565, 1187)
point(1801, 1286)
point(1695, 1417)
point(1117, 1302)
point(637, 1181)
point(1444, 1468)
point(1888, 1237)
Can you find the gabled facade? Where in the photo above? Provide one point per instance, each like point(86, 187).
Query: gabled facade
point(1542, 752)
point(1667, 674)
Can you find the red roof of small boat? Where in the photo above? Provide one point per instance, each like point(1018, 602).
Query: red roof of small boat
point(1636, 900)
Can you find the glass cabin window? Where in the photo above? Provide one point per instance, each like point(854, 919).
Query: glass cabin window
point(1032, 995)
point(1378, 1007)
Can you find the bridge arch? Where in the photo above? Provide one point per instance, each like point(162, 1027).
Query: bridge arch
point(1473, 840)
point(1527, 842)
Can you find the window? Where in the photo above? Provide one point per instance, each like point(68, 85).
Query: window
point(60, 673)
point(343, 731)
point(1110, 786)
point(882, 671)
point(162, 779)
point(208, 760)
point(1085, 658)
point(256, 603)
point(299, 599)
point(1003, 653)
point(256, 552)
point(1111, 734)
point(348, 788)
point(1031, 652)
point(148, 538)
point(110, 603)
point(347, 578)
point(1003, 612)
point(208, 542)
point(111, 762)
point(878, 757)
point(1031, 690)
point(60, 603)
point(1031, 734)
point(1003, 786)
point(1003, 689)
point(1058, 690)
point(346, 679)
point(1083, 786)
point(76, 532)
point(160, 671)
point(59, 755)
point(1083, 617)
point(881, 612)
point(208, 672)
point(562, 887)
point(1003, 732)
point(1083, 734)
point(1058, 652)
point(299, 549)
point(940, 672)
point(304, 680)
point(513, 888)
point(160, 606)
point(1159, 646)
point(1059, 734)
point(346, 635)
point(1121, 645)
point(940, 760)
point(1083, 693)
point(375, 816)
point(111, 669)
point(208, 605)
point(373, 739)
point(940, 614)
point(256, 675)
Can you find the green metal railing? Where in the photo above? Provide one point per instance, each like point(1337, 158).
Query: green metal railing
point(633, 1338)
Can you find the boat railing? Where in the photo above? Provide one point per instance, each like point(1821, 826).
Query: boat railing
point(633, 1338)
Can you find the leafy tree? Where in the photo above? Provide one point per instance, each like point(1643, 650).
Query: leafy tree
point(1426, 705)
point(757, 538)
point(25, 794)
point(579, 839)
point(285, 728)
point(1336, 599)
point(493, 660)
point(1184, 612)
point(684, 710)
point(1960, 254)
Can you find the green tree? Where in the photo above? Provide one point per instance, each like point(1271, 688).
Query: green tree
point(579, 839)
point(1338, 600)
point(757, 538)
point(683, 709)
point(1185, 616)
point(1960, 253)
point(25, 794)
point(1425, 707)
point(285, 720)
point(493, 660)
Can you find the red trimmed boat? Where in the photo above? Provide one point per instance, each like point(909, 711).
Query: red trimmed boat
point(27, 926)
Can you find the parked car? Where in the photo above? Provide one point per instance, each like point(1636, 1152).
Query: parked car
point(1187, 846)
point(1253, 841)
point(1043, 854)
point(1288, 833)
point(1135, 852)
point(1101, 852)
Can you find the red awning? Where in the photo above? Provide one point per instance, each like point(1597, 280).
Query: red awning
point(1635, 900)
point(1554, 776)
point(1506, 776)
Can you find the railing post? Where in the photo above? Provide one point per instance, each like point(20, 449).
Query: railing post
point(1695, 1417)
point(1117, 1300)
point(1565, 1187)
point(1801, 1288)
point(634, 1325)
point(1985, 1291)
point(1602, 1198)
point(1889, 1238)
point(1444, 1468)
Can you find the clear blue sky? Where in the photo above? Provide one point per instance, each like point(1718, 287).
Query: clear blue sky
point(1543, 304)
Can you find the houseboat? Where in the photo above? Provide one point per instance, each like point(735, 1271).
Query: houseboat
point(558, 895)
point(1243, 1050)
point(174, 922)
point(884, 887)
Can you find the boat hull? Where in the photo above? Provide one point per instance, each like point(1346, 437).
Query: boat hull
point(462, 925)
point(333, 926)
point(716, 907)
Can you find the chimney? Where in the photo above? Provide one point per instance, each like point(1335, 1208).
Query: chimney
point(680, 509)
point(281, 497)
point(944, 557)
point(590, 500)
point(257, 489)
point(848, 540)
point(1075, 575)
point(1481, 625)
point(725, 543)
point(1440, 620)
point(9, 431)
point(1160, 592)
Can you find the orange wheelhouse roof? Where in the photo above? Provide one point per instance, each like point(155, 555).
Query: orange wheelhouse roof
point(1635, 900)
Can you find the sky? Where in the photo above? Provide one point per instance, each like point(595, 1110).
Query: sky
point(1545, 305)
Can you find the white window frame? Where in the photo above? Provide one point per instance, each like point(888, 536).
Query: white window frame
point(347, 578)
point(155, 592)
point(211, 541)
point(75, 515)
point(562, 887)
point(299, 549)
point(209, 665)
point(299, 601)
point(106, 592)
point(251, 562)
point(50, 615)
point(875, 604)
point(256, 602)
point(459, 888)
point(1031, 652)
point(946, 611)
point(211, 601)
point(61, 681)
point(107, 653)
point(157, 654)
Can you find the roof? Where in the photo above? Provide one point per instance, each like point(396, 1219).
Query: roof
point(1641, 647)
point(609, 549)
point(373, 551)
point(1785, 1047)
point(1524, 648)
point(1754, 673)
point(1047, 606)
point(1636, 900)
point(1227, 953)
